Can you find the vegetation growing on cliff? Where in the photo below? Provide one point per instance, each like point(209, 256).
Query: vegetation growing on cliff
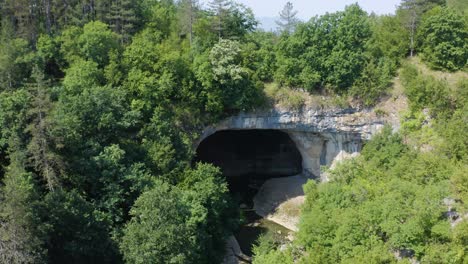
point(400, 196)
point(100, 102)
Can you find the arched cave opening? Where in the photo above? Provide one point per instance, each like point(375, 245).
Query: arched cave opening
point(249, 157)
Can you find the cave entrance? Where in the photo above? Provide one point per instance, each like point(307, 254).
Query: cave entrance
point(247, 159)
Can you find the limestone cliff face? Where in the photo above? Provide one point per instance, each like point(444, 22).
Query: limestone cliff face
point(321, 135)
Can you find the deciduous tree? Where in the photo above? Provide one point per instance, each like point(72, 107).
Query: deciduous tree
point(444, 37)
point(159, 231)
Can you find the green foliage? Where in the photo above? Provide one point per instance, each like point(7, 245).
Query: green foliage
point(14, 58)
point(85, 124)
point(96, 42)
point(48, 53)
point(371, 206)
point(168, 149)
point(458, 5)
point(392, 197)
point(444, 37)
point(118, 184)
point(76, 231)
point(389, 38)
point(425, 91)
point(20, 232)
point(53, 16)
point(142, 53)
point(159, 15)
point(69, 48)
point(230, 20)
point(453, 130)
point(460, 182)
point(92, 42)
point(239, 22)
point(460, 234)
point(101, 101)
point(45, 161)
point(145, 60)
point(328, 50)
point(157, 232)
point(410, 13)
point(13, 114)
point(461, 93)
point(213, 214)
point(230, 81)
point(82, 75)
point(443, 254)
point(446, 103)
point(259, 55)
point(265, 252)
point(122, 18)
point(374, 81)
point(92, 114)
point(180, 224)
point(399, 207)
point(291, 99)
point(346, 59)
point(384, 149)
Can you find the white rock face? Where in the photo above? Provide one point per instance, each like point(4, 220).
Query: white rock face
point(321, 135)
point(280, 200)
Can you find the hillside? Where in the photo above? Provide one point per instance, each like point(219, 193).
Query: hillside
point(106, 154)
point(404, 198)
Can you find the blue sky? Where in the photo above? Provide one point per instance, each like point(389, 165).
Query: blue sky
point(309, 8)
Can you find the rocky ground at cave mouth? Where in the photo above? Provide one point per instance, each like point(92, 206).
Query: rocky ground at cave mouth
point(280, 199)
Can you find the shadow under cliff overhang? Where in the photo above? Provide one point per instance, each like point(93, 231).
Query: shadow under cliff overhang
point(263, 153)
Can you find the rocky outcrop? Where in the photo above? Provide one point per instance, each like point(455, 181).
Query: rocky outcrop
point(280, 199)
point(321, 135)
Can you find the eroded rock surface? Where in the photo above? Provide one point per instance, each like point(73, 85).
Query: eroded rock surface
point(321, 135)
point(280, 199)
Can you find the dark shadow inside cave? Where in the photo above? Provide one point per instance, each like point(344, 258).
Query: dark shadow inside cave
point(247, 159)
point(267, 153)
point(248, 156)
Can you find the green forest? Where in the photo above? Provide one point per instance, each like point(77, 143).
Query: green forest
point(101, 102)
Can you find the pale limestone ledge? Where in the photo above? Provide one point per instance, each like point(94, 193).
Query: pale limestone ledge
point(321, 135)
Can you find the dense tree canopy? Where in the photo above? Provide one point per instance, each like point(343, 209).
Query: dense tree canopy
point(180, 224)
point(101, 103)
point(444, 37)
point(326, 51)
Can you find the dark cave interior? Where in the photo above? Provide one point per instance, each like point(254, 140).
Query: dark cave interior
point(249, 156)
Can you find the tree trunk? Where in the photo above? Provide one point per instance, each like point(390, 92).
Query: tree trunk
point(191, 22)
point(48, 19)
point(413, 29)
